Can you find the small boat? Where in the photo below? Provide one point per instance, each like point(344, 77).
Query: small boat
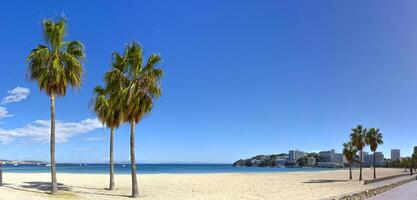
point(124, 165)
point(15, 164)
point(47, 165)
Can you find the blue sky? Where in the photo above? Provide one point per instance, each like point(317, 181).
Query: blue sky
point(242, 77)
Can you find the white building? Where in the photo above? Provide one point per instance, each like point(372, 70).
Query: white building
point(330, 159)
point(294, 155)
point(327, 156)
point(338, 158)
point(395, 154)
point(369, 159)
point(364, 154)
point(331, 156)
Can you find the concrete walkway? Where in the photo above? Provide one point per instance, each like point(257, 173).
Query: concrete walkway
point(391, 181)
point(407, 191)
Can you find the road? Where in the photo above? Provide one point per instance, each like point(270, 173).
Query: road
point(407, 191)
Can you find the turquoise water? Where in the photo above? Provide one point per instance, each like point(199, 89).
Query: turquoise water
point(152, 168)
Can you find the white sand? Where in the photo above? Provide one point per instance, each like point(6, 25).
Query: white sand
point(293, 185)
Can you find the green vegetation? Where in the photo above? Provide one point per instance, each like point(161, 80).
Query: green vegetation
point(414, 160)
point(110, 115)
point(303, 162)
point(271, 160)
point(349, 151)
point(54, 66)
point(259, 161)
point(134, 84)
point(358, 140)
point(409, 163)
point(373, 139)
point(131, 86)
point(393, 164)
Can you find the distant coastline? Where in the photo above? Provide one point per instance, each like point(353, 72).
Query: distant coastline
point(150, 169)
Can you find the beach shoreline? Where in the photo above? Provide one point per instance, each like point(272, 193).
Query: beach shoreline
point(204, 186)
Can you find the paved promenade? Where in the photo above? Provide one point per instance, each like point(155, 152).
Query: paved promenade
point(407, 191)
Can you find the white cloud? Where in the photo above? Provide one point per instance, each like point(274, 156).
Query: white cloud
point(4, 113)
point(16, 95)
point(39, 131)
point(91, 139)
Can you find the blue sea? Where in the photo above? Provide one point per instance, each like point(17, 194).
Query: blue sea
point(152, 169)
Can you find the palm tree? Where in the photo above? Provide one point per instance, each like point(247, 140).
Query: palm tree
point(414, 159)
point(373, 139)
point(358, 140)
point(136, 84)
point(54, 66)
point(110, 115)
point(405, 163)
point(349, 151)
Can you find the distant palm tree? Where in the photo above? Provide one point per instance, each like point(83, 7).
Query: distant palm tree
point(136, 84)
point(358, 140)
point(407, 163)
point(54, 66)
point(111, 116)
point(349, 151)
point(414, 159)
point(373, 139)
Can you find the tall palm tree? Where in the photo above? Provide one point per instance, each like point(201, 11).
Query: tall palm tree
point(357, 137)
point(349, 151)
point(54, 66)
point(373, 139)
point(136, 84)
point(111, 116)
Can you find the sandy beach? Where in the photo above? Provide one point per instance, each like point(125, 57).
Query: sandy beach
point(250, 186)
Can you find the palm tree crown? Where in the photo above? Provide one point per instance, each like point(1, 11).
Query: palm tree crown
point(58, 63)
point(54, 66)
point(106, 108)
point(110, 115)
point(373, 138)
point(358, 137)
point(349, 151)
point(134, 83)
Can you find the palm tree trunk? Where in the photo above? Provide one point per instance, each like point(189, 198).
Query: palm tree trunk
point(135, 192)
point(350, 171)
point(54, 188)
point(360, 166)
point(374, 167)
point(1, 173)
point(111, 187)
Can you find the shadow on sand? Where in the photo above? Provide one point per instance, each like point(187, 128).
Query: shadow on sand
point(325, 181)
point(45, 187)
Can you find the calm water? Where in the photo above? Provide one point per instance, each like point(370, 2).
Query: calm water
point(152, 168)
